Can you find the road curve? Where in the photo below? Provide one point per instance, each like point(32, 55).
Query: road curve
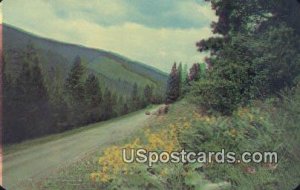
point(38, 161)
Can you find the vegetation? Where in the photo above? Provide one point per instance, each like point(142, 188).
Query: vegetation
point(247, 98)
point(179, 80)
point(237, 104)
point(257, 127)
point(256, 56)
point(39, 100)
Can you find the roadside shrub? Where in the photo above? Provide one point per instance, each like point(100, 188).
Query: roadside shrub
point(212, 95)
point(115, 174)
point(260, 127)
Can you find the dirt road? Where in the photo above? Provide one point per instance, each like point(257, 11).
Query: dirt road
point(40, 160)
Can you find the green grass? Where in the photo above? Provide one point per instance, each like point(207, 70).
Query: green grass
point(77, 175)
point(277, 126)
point(104, 65)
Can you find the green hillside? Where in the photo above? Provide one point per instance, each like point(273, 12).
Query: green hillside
point(50, 86)
point(115, 71)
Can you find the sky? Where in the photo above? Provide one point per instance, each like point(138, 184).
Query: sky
point(155, 32)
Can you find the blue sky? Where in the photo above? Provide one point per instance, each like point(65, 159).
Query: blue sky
point(156, 32)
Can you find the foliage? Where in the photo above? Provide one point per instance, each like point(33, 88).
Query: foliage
point(34, 106)
point(74, 86)
point(93, 98)
point(257, 127)
point(148, 93)
point(194, 74)
point(115, 174)
point(26, 102)
point(212, 95)
point(173, 85)
point(254, 58)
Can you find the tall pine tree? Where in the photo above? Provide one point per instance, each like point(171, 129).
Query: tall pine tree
point(148, 93)
point(135, 100)
point(93, 98)
point(173, 88)
point(30, 108)
point(74, 86)
point(107, 105)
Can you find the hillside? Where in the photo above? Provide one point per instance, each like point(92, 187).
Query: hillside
point(50, 86)
point(115, 71)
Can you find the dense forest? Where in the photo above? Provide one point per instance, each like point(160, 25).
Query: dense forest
point(36, 105)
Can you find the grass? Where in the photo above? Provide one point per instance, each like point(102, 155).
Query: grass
point(283, 131)
point(77, 175)
point(106, 65)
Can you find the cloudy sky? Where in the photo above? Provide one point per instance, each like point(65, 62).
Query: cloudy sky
point(156, 32)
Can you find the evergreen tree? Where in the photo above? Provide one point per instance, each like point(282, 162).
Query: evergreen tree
point(40, 100)
point(29, 101)
point(125, 109)
point(74, 86)
point(148, 93)
point(194, 74)
point(173, 85)
point(180, 77)
point(184, 76)
point(248, 61)
point(135, 97)
point(107, 105)
point(74, 82)
point(114, 102)
point(59, 105)
point(9, 109)
point(120, 104)
point(93, 97)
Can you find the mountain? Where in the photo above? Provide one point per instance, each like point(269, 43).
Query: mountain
point(116, 72)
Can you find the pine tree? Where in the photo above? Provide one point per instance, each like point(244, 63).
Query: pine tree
point(58, 102)
point(184, 76)
point(172, 93)
point(114, 102)
point(135, 97)
point(125, 109)
point(194, 74)
point(120, 104)
point(107, 105)
point(31, 102)
point(74, 86)
point(180, 77)
point(93, 98)
point(74, 82)
point(245, 64)
point(148, 93)
point(40, 99)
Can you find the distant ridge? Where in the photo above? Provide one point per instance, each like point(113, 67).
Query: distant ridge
point(116, 71)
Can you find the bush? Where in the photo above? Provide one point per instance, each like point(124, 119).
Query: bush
point(260, 127)
point(222, 96)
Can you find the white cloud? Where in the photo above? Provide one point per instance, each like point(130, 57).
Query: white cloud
point(206, 11)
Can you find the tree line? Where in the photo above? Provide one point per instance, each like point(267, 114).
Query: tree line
point(180, 79)
point(254, 56)
point(32, 108)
